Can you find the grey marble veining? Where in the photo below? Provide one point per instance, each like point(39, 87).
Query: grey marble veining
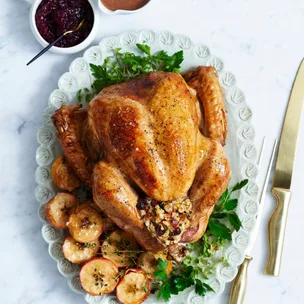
point(261, 42)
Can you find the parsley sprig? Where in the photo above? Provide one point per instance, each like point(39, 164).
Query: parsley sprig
point(161, 273)
point(179, 281)
point(124, 66)
point(224, 210)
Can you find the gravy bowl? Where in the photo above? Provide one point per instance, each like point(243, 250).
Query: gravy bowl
point(105, 10)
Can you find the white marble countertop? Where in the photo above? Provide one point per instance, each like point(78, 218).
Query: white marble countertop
point(261, 42)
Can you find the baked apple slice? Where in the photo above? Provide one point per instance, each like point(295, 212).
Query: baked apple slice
point(147, 261)
point(121, 248)
point(59, 208)
point(134, 287)
point(63, 175)
point(79, 253)
point(85, 224)
point(98, 276)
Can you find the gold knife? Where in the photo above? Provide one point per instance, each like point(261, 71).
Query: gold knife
point(239, 285)
point(283, 174)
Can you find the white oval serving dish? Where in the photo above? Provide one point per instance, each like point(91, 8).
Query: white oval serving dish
point(240, 150)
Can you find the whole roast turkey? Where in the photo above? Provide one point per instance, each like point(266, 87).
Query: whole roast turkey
point(152, 151)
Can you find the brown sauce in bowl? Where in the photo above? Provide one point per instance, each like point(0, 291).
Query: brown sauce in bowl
point(128, 5)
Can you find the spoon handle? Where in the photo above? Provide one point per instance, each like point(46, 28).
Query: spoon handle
point(45, 49)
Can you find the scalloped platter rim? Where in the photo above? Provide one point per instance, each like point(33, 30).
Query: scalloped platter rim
point(240, 150)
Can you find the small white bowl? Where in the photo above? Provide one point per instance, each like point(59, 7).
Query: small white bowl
point(68, 50)
point(120, 12)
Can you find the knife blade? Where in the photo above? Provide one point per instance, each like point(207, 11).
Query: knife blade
point(283, 174)
point(290, 134)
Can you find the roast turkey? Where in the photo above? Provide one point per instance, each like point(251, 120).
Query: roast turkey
point(152, 151)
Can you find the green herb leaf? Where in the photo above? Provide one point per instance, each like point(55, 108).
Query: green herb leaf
point(199, 288)
point(79, 95)
point(231, 204)
point(234, 220)
point(202, 288)
point(161, 273)
point(98, 71)
point(219, 230)
point(162, 265)
point(206, 247)
point(176, 283)
point(208, 287)
point(240, 185)
point(174, 61)
point(166, 290)
point(144, 48)
point(225, 196)
point(182, 282)
point(219, 215)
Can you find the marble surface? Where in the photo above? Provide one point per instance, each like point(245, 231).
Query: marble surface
point(261, 42)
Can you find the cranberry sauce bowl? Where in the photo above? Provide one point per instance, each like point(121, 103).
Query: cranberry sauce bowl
point(55, 17)
point(51, 18)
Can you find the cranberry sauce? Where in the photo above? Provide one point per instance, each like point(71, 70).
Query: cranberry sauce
point(54, 17)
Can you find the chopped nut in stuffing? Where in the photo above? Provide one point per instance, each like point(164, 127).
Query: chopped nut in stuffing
point(166, 220)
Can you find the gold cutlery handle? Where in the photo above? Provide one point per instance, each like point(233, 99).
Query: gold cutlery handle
point(239, 284)
point(276, 231)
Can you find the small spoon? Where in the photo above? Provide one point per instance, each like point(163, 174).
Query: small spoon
point(58, 39)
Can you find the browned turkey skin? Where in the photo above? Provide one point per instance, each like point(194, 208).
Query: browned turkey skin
point(158, 134)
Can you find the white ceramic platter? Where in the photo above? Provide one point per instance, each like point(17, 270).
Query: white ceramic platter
point(241, 152)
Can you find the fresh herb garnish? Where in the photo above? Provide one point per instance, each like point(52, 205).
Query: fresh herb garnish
point(144, 48)
point(202, 262)
point(219, 230)
point(231, 204)
point(202, 288)
point(234, 220)
point(124, 66)
point(224, 211)
point(240, 185)
point(186, 277)
point(87, 245)
point(161, 273)
point(167, 289)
